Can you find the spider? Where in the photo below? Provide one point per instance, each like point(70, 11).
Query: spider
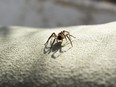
point(62, 35)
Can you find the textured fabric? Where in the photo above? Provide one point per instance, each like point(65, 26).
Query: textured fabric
point(91, 62)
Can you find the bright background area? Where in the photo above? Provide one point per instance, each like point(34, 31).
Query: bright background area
point(56, 13)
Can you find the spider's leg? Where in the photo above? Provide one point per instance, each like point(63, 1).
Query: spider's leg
point(72, 36)
point(52, 35)
point(65, 31)
point(64, 36)
point(68, 33)
point(52, 43)
point(69, 39)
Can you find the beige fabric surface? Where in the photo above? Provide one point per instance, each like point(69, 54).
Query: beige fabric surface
point(91, 62)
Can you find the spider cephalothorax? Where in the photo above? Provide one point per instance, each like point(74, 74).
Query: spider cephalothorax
point(62, 35)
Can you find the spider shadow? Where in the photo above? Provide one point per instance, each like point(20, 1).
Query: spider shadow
point(55, 48)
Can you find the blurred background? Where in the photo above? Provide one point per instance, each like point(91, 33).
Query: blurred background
point(56, 13)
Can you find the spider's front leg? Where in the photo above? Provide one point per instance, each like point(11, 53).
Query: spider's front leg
point(52, 43)
point(67, 33)
point(69, 39)
point(52, 35)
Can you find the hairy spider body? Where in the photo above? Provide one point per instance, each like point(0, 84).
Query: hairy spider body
point(59, 37)
point(62, 35)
